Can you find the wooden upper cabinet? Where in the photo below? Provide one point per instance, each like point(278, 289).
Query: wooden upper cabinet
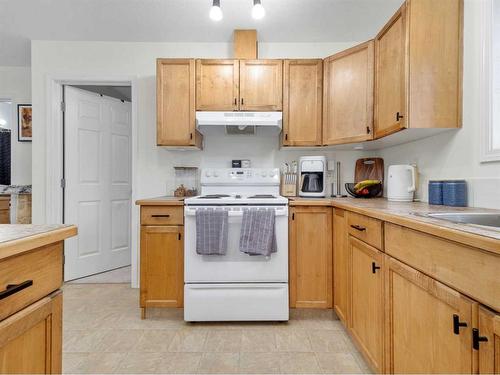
point(340, 265)
point(418, 67)
point(311, 257)
point(390, 77)
point(486, 340)
point(367, 304)
point(429, 325)
point(261, 85)
point(302, 102)
point(175, 103)
point(348, 95)
point(217, 85)
point(435, 63)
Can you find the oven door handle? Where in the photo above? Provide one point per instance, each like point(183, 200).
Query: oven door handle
point(236, 213)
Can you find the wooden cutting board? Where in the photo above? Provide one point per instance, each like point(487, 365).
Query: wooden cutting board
point(369, 169)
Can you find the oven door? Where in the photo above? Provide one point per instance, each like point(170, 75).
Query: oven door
point(235, 266)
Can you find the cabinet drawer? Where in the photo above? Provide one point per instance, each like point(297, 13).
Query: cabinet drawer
point(4, 204)
point(451, 263)
point(365, 228)
point(162, 215)
point(33, 275)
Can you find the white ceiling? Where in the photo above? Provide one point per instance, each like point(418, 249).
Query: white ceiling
point(183, 21)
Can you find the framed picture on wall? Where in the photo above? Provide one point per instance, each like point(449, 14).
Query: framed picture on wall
point(24, 123)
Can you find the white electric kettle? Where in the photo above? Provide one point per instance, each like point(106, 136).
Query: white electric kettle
point(401, 183)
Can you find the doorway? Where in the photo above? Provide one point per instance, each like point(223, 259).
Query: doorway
point(97, 178)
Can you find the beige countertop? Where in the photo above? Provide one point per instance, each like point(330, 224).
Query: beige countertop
point(17, 238)
point(161, 201)
point(412, 215)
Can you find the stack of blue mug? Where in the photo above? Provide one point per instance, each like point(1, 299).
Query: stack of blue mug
point(448, 193)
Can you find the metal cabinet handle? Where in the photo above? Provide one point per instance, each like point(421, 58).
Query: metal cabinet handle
point(375, 267)
point(358, 227)
point(368, 130)
point(399, 116)
point(11, 289)
point(477, 339)
point(160, 215)
point(235, 101)
point(242, 101)
point(457, 324)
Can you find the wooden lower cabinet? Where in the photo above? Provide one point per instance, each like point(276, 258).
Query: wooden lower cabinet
point(486, 341)
point(340, 265)
point(428, 325)
point(366, 323)
point(31, 339)
point(310, 275)
point(162, 266)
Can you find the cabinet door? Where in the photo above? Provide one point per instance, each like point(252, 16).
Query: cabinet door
point(428, 324)
point(340, 265)
point(311, 257)
point(390, 76)
point(162, 266)
point(261, 85)
point(217, 85)
point(302, 102)
point(31, 340)
point(486, 339)
point(367, 308)
point(348, 102)
point(175, 103)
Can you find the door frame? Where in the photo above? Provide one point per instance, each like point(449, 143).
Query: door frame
point(54, 152)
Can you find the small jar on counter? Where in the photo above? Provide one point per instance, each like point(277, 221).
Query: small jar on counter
point(436, 192)
point(455, 193)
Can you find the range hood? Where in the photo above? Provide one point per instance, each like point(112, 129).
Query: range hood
point(239, 122)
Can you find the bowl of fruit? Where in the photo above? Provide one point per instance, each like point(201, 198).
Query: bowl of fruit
point(365, 189)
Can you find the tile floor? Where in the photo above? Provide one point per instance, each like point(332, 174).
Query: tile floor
point(103, 333)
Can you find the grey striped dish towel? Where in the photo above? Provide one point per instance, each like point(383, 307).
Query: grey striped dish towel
point(257, 235)
point(211, 232)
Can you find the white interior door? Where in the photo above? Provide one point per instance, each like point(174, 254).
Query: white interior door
point(98, 182)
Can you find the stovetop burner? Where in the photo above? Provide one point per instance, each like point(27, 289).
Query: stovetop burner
point(214, 196)
point(260, 196)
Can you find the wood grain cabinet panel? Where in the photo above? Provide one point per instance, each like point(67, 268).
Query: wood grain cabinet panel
point(4, 209)
point(175, 103)
point(365, 228)
point(340, 265)
point(217, 85)
point(428, 326)
point(418, 68)
point(31, 340)
point(302, 102)
point(366, 323)
point(390, 76)
point(348, 95)
point(311, 257)
point(162, 266)
point(486, 340)
point(261, 85)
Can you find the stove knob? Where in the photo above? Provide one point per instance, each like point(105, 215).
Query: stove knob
point(216, 174)
point(272, 174)
point(263, 173)
point(207, 173)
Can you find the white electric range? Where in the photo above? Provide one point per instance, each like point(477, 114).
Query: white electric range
point(236, 286)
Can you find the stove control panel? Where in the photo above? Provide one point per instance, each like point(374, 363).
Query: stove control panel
point(240, 176)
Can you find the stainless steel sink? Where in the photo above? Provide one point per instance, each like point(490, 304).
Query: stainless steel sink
point(486, 219)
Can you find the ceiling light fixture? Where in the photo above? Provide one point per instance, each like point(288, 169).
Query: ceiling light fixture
point(258, 11)
point(216, 11)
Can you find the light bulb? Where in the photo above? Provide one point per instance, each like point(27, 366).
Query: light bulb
point(215, 12)
point(258, 11)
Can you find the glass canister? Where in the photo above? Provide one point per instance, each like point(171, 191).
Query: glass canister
point(455, 193)
point(186, 181)
point(435, 192)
